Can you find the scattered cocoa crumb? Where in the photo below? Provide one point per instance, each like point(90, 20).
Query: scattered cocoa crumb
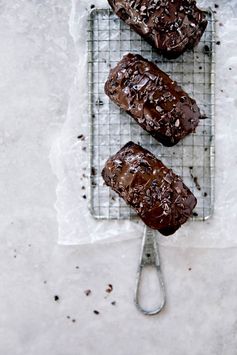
point(113, 303)
point(93, 171)
point(84, 149)
point(77, 267)
point(81, 137)
point(56, 298)
point(206, 149)
point(99, 102)
point(109, 289)
point(83, 188)
point(68, 317)
point(73, 320)
point(195, 214)
point(205, 194)
point(92, 6)
point(87, 292)
point(29, 245)
point(195, 179)
point(190, 167)
point(94, 184)
point(216, 6)
point(96, 312)
point(84, 196)
point(230, 68)
point(218, 42)
point(200, 67)
point(189, 269)
point(113, 198)
point(45, 282)
point(222, 90)
point(84, 175)
point(206, 49)
point(221, 24)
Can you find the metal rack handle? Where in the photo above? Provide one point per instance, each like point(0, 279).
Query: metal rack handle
point(149, 256)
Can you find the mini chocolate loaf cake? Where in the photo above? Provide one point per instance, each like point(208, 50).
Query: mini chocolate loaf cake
point(158, 196)
point(157, 103)
point(170, 26)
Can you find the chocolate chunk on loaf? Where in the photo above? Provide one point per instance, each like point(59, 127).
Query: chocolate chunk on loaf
point(170, 26)
point(153, 99)
point(158, 196)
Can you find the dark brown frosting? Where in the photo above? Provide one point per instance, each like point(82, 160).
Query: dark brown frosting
point(158, 195)
point(171, 26)
point(153, 99)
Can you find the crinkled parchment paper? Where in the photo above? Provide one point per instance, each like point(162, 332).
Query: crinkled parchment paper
point(69, 155)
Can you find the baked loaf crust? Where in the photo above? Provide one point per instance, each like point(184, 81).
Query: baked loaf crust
point(157, 103)
point(158, 196)
point(170, 26)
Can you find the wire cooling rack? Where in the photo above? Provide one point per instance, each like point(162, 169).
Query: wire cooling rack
point(110, 128)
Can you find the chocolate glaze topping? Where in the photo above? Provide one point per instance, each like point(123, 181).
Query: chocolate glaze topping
point(158, 196)
point(171, 26)
point(157, 103)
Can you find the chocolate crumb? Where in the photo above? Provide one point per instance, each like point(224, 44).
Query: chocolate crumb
point(77, 267)
point(56, 298)
point(190, 167)
point(87, 292)
point(73, 320)
point(216, 6)
point(206, 49)
point(206, 149)
point(218, 42)
point(195, 179)
point(81, 137)
point(84, 196)
point(221, 24)
point(109, 289)
point(84, 149)
point(45, 282)
point(200, 67)
point(195, 214)
point(96, 312)
point(113, 303)
point(92, 6)
point(205, 194)
point(189, 269)
point(99, 102)
point(93, 171)
point(68, 317)
point(230, 68)
point(83, 188)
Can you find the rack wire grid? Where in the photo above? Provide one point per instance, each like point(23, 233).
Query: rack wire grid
point(110, 128)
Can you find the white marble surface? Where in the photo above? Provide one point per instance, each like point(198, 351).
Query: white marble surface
point(37, 64)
